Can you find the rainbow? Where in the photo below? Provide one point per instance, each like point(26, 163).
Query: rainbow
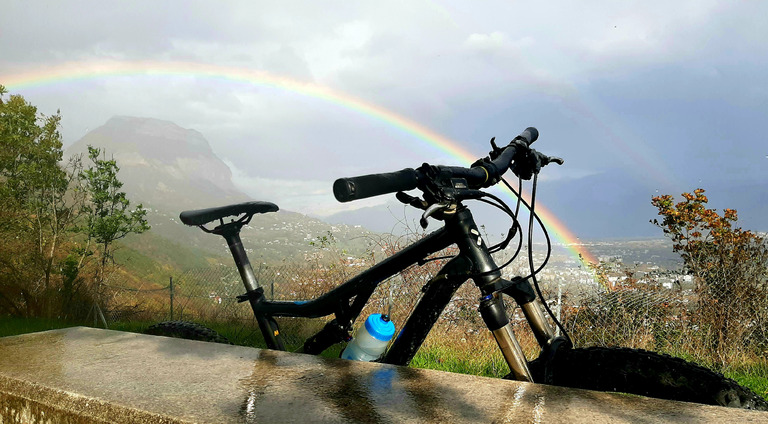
point(75, 71)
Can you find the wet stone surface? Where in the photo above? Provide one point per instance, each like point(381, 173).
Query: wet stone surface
point(81, 375)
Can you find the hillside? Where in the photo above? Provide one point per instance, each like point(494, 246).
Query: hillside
point(162, 164)
point(170, 169)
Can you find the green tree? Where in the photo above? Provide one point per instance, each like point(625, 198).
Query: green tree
point(107, 216)
point(36, 209)
point(729, 266)
point(51, 213)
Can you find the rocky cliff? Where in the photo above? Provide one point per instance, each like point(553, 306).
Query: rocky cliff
point(162, 164)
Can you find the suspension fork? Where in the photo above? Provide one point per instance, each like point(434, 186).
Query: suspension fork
point(495, 317)
point(491, 306)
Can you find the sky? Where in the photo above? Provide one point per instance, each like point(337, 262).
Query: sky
point(669, 95)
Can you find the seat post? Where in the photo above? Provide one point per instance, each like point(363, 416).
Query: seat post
point(232, 235)
point(254, 294)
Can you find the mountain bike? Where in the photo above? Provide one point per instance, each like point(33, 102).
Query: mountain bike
point(445, 190)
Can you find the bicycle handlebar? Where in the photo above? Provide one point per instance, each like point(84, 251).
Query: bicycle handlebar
point(353, 188)
point(483, 173)
point(529, 135)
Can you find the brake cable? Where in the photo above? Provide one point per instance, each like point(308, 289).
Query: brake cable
point(549, 251)
point(515, 225)
point(533, 215)
point(511, 232)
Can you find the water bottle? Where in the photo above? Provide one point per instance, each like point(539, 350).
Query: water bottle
point(372, 339)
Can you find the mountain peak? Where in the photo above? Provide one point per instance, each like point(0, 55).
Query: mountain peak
point(163, 164)
point(165, 139)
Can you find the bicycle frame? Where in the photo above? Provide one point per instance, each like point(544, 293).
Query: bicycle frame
point(347, 300)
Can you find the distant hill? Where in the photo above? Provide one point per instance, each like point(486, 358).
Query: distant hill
point(613, 204)
point(170, 169)
point(605, 205)
point(162, 164)
point(392, 217)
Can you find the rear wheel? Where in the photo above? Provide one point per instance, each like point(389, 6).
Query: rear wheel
point(644, 373)
point(186, 330)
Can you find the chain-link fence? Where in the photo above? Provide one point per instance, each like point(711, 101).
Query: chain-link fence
point(655, 311)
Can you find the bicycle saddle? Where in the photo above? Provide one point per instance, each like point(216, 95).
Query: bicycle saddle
point(204, 216)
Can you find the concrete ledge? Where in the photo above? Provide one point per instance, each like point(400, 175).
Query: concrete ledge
point(83, 375)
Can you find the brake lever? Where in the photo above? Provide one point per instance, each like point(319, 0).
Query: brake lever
point(431, 210)
point(551, 159)
point(531, 162)
point(407, 199)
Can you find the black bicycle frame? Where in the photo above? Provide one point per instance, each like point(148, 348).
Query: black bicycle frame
point(346, 301)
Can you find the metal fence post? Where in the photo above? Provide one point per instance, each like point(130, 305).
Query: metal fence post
point(171, 285)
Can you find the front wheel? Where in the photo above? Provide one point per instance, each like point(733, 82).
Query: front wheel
point(644, 373)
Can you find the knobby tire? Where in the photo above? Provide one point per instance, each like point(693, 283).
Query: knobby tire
point(186, 330)
point(644, 373)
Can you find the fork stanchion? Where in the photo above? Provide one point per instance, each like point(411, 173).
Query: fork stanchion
point(541, 328)
point(495, 317)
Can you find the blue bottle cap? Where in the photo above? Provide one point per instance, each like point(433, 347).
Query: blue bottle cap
point(379, 328)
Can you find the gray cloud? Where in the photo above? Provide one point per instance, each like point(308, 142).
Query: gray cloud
point(672, 92)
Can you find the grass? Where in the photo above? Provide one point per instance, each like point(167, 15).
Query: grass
point(12, 326)
point(752, 373)
point(475, 357)
point(754, 376)
point(445, 358)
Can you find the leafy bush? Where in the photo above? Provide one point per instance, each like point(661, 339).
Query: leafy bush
point(729, 267)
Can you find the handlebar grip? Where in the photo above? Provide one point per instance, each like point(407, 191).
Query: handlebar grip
point(353, 188)
point(529, 135)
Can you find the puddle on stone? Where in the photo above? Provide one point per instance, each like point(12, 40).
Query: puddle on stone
point(347, 390)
